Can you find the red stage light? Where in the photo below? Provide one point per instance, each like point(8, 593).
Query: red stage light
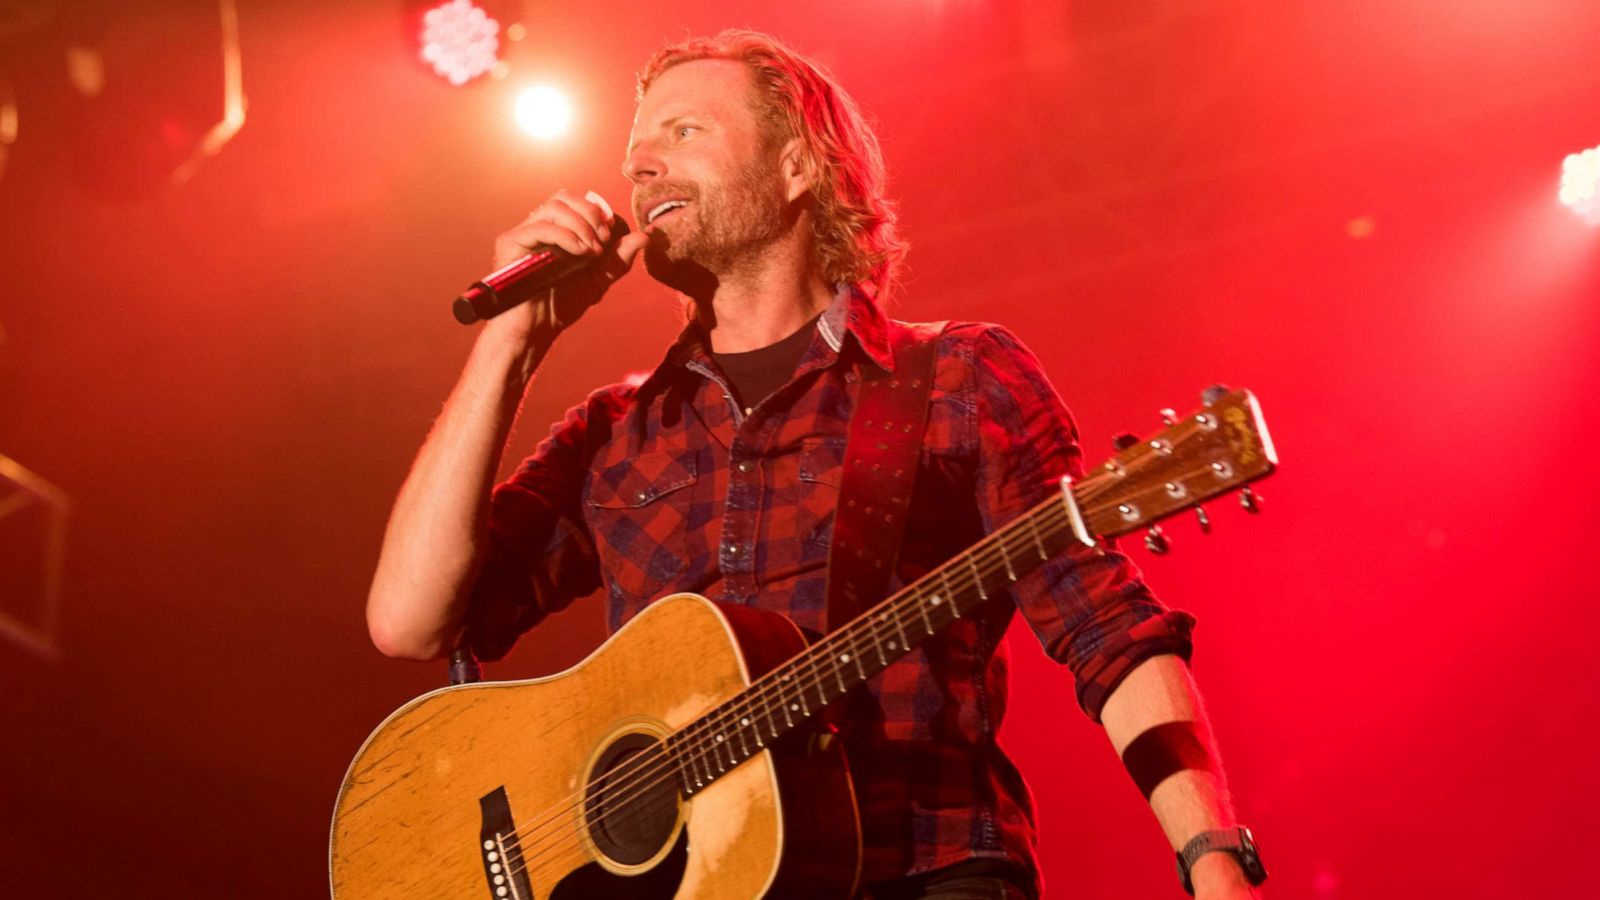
point(1580, 184)
point(460, 41)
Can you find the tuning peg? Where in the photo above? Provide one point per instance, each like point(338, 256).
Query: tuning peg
point(1203, 519)
point(1124, 440)
point(1250, 502)
point(1155, 540)
point(1169, 417)
point(1212, 394)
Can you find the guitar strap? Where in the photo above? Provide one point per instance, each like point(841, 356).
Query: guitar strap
point(880, 469)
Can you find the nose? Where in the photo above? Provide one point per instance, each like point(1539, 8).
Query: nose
point(643, 164)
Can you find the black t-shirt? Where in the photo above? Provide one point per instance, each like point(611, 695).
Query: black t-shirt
point(755, 374)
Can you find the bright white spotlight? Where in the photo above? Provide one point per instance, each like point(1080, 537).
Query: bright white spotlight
point(544, 112)
point(1580, 184)
point(460, 41)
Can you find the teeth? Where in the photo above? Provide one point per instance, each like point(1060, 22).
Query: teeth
point(662, 208)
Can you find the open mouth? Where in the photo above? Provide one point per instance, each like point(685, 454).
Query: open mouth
point(662, 210)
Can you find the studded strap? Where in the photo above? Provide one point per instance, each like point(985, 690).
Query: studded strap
point(880, 470)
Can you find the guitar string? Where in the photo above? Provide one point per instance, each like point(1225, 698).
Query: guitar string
point(663, 761)
point(552, 852)
point(544, 853)
point(659, 762)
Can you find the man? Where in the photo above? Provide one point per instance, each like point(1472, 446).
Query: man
point(759, 194)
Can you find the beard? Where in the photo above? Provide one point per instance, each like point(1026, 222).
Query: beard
point(724, 228)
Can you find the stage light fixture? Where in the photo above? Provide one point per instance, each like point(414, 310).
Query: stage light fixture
point(1580, 184)
point(460, 41)
point(33, 536)
point(146, 99)
point(544, 112)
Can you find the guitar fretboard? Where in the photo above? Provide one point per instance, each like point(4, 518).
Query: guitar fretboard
point(796, 691)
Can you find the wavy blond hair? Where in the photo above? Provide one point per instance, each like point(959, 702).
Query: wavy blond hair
point(855, 225)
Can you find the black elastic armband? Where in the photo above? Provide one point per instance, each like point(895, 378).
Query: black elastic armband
point(1164, 751)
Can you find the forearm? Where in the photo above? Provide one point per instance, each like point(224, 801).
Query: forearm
point(1190, 801)
point(433, 543)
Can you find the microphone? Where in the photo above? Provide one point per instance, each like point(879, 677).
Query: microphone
point(521, 281)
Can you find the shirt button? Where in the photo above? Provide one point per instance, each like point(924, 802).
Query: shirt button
point(745, 465)
point(733, 549)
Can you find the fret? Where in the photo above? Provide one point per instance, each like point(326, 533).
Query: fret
point(973, 565)
point(689, 757)
point(744, 723)
point(679, 758)
point(686, 756)
point(683, 776)
point(1000, 541)
point(1033, 525)
point(900, 627)
point(878, 643)
point(856, 658)
point(838, 674)
point(955, 608)
point(787, 719)
point(923, 608)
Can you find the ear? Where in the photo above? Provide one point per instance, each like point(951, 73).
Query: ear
point(796, 168)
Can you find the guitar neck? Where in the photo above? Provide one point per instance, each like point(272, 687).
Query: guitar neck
point(796, 691)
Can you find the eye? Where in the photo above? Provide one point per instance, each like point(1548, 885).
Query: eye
point(684, 131)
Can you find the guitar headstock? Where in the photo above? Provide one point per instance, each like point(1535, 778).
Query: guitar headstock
point(1221, 446)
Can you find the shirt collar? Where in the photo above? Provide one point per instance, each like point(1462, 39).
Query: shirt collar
point(852, 312)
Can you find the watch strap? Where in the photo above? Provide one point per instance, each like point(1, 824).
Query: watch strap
point(1237, 841)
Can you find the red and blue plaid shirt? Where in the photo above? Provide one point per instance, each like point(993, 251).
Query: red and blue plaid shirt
point(668, 486)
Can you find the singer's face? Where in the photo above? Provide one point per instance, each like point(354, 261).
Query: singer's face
point(705, 174)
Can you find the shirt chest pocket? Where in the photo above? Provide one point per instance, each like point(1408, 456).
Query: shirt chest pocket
point(811, 478)
point(639, 512)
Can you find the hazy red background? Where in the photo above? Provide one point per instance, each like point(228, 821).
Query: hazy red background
point(230, 378)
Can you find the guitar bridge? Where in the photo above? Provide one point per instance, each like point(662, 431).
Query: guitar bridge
point(504, 869)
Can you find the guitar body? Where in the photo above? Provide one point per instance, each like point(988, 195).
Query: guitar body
point(472, 783)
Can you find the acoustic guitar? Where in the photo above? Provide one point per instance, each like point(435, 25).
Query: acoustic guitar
point(683, 758)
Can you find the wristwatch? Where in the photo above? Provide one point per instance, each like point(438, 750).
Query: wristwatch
point(1236, 841)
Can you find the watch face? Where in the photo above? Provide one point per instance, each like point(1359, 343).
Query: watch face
point(1250, 857)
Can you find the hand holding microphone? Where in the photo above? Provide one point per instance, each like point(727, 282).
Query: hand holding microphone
point(562, 258)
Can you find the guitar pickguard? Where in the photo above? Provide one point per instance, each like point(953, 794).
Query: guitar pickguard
point(659, 883)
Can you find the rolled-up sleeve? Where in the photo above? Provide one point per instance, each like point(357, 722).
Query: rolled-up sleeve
point(540, 554)
point(1089, 607)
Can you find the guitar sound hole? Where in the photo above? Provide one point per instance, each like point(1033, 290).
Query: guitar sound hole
point(632, 802)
